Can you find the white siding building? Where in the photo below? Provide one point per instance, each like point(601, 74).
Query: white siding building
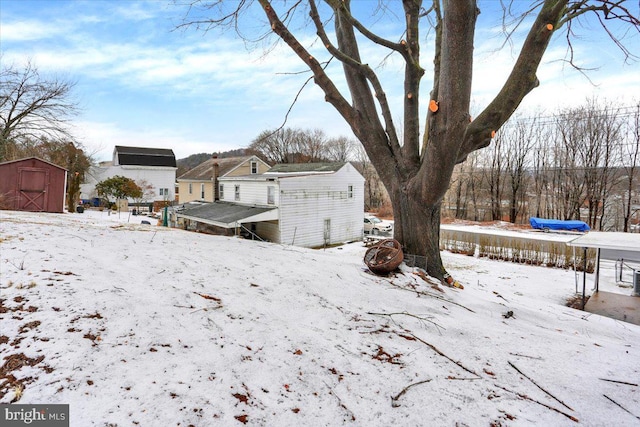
point(154, 166)
point(309, 204)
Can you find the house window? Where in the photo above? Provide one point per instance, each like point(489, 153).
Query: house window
point(221, 191)
point(164, 192)
point(254, 167)
point(190, 188)
point(237, 192)
point(271, 195)
point(350, 192)
point(202, 191)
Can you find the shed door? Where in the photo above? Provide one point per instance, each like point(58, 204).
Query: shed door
point(32, 189)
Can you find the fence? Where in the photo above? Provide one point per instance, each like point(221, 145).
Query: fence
point(523, 250)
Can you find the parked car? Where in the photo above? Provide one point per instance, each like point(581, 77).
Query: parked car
point(374, 225)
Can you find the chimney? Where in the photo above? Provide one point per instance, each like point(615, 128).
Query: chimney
point(215, 172)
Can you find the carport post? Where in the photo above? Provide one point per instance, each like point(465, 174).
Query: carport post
point(584, 277)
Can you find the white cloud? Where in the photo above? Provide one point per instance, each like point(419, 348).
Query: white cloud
point(29, 30)
point(100, 137)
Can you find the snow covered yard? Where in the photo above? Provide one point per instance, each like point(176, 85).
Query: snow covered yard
point(134, 324)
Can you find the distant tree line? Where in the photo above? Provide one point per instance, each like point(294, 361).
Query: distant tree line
point(291, 145)
point(579, 163)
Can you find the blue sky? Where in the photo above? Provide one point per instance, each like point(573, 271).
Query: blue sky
point(141, 82)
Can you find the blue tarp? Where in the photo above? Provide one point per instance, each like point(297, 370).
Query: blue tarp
point(557, 224)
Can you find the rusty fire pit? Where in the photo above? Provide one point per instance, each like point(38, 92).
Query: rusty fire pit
point(384, 257)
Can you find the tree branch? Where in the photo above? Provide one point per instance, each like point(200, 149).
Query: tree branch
point(520, 82)
point(360, 92)
point(332, 94)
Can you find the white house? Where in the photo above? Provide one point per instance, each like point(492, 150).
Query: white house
point(154, 166)
point(307, 204)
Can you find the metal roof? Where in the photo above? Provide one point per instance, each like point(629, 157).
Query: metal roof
point(306, 167)
point(608, 240)
point(142, 156)
point(228, 215)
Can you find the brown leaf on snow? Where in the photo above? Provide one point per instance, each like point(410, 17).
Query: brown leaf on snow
point(242, 398)
point(30, 325)
point(242, 418)
point(488, 372)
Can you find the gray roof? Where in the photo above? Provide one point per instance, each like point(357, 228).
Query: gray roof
point(306, 167)
point(142, 156)
point(204, 171)
point(222, 213)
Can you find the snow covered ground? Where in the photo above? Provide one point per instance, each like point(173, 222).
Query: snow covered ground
point(136, 324)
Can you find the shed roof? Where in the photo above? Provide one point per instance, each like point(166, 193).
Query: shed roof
point(228, 215)
point(143, 156)
point(203, 172)
point(32, 158)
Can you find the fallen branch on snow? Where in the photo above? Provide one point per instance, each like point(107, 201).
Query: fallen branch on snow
point(430, 294)
point(434, 348)
point(404, 313)
point(342, 405)
point(621, 407)
point(394, 399)
point(619, 382)
point(540, 387)
point(525, 397)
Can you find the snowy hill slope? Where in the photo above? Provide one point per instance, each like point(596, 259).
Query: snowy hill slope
point(143, 325)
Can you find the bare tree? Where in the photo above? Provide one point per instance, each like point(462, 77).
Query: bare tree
point(32, 107)
point(630, 160)
point(287, 145)
point(494, 177)
point(340, 149)
point(541, 164)
point(416, 174)
point(519, 140)
point(375, 194)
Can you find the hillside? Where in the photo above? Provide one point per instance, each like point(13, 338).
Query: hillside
point(133, 324)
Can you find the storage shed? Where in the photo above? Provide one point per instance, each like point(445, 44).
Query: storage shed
point(32, 184)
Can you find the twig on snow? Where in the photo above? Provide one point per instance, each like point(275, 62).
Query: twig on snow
point(525, 397)
point(404, 313)
point(434, 348)
point(619, 382)
point(430, 294)
point(540, 387)
point(621, 407)
point(524, 355)
point(342, 405)
point(394, 399)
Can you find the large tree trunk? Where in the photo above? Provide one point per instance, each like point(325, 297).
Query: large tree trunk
point(417, 226)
